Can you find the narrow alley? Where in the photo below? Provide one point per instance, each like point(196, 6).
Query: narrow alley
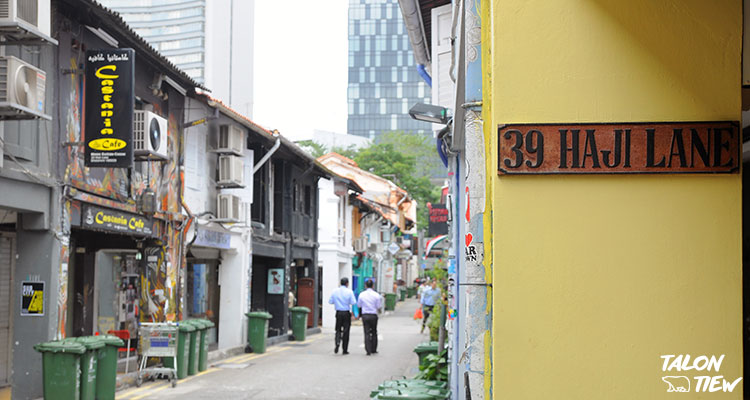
point(304, 370)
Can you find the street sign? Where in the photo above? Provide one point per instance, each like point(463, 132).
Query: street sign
point(619, 148)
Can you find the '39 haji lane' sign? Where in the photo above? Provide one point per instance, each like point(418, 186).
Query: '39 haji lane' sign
point(109, 108)
point(116, 221)
point(619, 148)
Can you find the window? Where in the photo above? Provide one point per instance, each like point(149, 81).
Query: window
point(400, 89)
point(308, 200)
point(382, 105)
point(295, 195)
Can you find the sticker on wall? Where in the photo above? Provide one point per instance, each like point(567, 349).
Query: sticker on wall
point(32, 298)
point(276, 281)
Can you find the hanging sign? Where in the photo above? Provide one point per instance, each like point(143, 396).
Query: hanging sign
point(109, 108)
point(116, 221)
point(619, 148)
point(32, 298)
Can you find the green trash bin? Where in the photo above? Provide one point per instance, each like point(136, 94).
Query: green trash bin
point(423, 349)
point(299, 322)
point(106, 367)
point(89, 361)
point(402, 294)
point(203, 359)
point(193, 346)
point(257, 330)
point(61, 369)
point(183, 349)
point(390, 301)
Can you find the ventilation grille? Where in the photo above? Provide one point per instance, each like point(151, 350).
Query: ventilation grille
point(4, 79)
point(139, 131)
point(27, 11)
point(5, 8)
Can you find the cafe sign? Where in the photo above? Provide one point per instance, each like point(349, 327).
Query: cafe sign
point(109, 108)
point(619, 148)
point(116, 221)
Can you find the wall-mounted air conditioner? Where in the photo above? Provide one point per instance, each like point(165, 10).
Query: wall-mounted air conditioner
point(231, 171)
point(228, 207)
point(360, 244)
point(26, 19)
point(22, 87)
point(149, 136)
point(231, 140)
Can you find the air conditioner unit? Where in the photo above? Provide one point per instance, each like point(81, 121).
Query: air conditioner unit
point(22, 87)
point(228, 207)
point(231, 170)
point(26, 19)
point(360, 244)
point(231, 139)
point(150, 135)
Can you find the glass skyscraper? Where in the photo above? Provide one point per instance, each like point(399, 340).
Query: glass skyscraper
point(383, 78)
point(174, 27)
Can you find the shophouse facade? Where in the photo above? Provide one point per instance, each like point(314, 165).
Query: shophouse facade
point(284, 220)
point(97, 248)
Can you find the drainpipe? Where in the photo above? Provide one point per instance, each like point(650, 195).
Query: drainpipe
point(423, 73)
point(268, 154)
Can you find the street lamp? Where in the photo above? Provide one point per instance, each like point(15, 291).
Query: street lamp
point(430, 113)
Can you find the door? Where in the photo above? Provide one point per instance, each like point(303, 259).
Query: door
point(7, 249)
point(83, 293)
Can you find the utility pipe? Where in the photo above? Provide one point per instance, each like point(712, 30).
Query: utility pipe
point(268, 155)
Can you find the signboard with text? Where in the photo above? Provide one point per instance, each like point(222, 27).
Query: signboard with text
point(116, 221)
point(110, 100)
point(619, 148)
point(438, 224)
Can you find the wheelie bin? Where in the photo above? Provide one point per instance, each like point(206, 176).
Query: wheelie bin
point(193, 346)
point(402, 294)
point(423, 349)
point(299, 322)
point(106, 367)
point(257, 330)
point(183, 349)
point(203, 359)
point(61, 369)
point(89, 361)
point(390, 301)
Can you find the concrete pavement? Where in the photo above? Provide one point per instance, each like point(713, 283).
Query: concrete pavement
point(305, 370)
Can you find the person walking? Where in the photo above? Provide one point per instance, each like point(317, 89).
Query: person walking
point(343, 300)
point(429, 297)
point(369, 303)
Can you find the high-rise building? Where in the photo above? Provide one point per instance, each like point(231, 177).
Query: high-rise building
point(212, 41)
point(383, 78)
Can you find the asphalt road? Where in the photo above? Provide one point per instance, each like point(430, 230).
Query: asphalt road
point(305, 370)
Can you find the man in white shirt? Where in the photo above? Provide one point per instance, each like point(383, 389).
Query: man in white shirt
point(369, 302)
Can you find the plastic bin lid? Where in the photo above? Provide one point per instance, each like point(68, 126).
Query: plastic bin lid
point(398, 394)
point(427, 346)
point(259, 314)
point(111, 340)
point(207, 323)
point(60, 346)
point(185, 326)
point(299, 309)
point(197, 323)
point(90, 342)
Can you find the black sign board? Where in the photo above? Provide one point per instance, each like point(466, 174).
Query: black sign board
point(116, 221)
point(438, 220)
point(109, 107)
point(32, 298)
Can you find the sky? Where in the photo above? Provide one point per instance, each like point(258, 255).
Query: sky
point(301, 56)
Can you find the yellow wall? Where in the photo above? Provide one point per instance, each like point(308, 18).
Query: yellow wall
point(595, 277)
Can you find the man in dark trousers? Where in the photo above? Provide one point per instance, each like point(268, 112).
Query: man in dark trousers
point(343, 299)
point(369, 303)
